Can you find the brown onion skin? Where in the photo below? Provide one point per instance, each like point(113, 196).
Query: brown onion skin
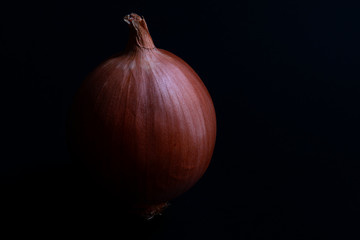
point(145, 122)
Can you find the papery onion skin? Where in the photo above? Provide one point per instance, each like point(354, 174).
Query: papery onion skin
point(145, 122)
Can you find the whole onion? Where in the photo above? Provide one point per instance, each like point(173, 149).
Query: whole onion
point(144, 122)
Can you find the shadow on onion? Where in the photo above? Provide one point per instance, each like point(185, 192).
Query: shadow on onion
point(67, 200)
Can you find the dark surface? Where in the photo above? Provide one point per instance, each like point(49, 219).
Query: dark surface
point(284, 77)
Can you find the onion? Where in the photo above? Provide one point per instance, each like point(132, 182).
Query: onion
point(144, 122)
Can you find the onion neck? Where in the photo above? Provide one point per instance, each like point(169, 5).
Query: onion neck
point(139, 33)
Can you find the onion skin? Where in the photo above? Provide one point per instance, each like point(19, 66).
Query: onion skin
point(144, 122)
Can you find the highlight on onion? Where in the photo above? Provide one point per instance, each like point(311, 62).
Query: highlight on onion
point(144, 122)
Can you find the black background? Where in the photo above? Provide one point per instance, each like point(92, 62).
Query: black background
point(284, 79)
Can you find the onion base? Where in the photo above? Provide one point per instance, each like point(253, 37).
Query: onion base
point(150, 211)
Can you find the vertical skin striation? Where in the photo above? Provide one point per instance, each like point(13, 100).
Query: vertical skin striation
point(145, 122)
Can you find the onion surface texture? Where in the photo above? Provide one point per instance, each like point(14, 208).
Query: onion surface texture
point(144, 122)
